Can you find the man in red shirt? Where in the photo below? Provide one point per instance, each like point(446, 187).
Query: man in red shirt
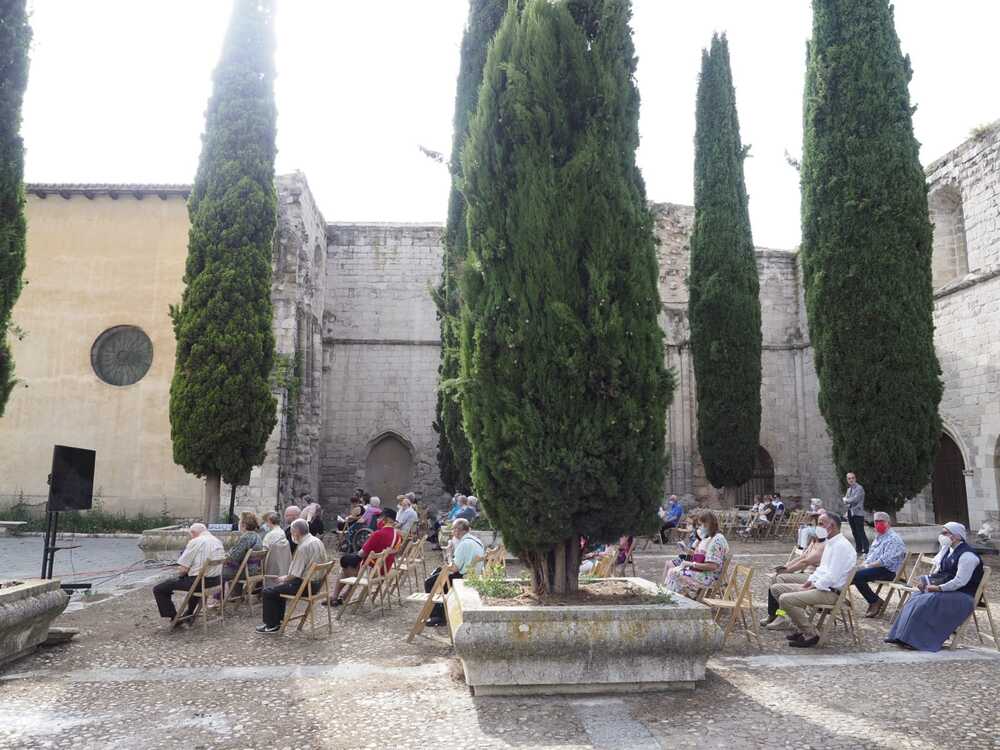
point(386, 537)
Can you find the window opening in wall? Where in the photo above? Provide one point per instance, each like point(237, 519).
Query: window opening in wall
point(950, 253)
point(122, 355)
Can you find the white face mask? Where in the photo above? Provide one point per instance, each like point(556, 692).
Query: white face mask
point(944, 540)
point(821, 533)
point(703, 532)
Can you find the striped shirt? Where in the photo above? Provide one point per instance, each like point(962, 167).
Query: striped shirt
point(887, 549)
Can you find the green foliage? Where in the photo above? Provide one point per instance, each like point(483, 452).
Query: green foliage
point(15, 39)
point(287, 376)
point(221, 407)
point(562, 356)
point(724, 302)
point(454, 453)
point(866, 253)
point(494, 584)
point(96, 521)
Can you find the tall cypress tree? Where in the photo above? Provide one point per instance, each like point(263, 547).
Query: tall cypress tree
point(454, 454)
point(866, 253)
point(221, 407)
point(566, 391)
point(724, 302)
point(15, 38)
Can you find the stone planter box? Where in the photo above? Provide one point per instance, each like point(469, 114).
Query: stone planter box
point(522, 650)
point(167, 542)
point(26, 612)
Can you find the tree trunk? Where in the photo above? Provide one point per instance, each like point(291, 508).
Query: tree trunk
point(232, 504)
point(729, 497)
point(557, 570)
point(212, 489)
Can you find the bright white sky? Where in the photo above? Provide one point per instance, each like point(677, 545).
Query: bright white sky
point(118, 88)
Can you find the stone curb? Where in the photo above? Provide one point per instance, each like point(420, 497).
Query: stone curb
point(77, 535)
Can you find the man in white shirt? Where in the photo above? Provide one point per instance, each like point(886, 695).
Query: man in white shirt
point(406, 516)
point(309, 549)
point(823, 586)
point(202, 549)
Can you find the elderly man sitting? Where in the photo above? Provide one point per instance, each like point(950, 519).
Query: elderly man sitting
point(202, 549)
point(822, 587)
point(309, 549)
point(796, 573)
point(406, 516)
point(292, 512)
point(884, 559)
point(467, 557)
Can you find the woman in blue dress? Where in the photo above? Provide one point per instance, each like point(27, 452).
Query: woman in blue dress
point(946, 596)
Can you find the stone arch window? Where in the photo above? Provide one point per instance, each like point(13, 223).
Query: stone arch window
point(951, 256)
point(389, 467)
point(762, 481)
point(122, 355)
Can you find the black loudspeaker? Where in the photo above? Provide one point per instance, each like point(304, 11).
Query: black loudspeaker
point(71, 484)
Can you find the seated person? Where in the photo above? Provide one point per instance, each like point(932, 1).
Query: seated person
point(279, 553)
point(406, 516)
point(807, 532)
point(353, 516)
point(291, 513)
point(822, 587)
point(624, 547)
point(387, 536)
point(588, 560)
point(468, 557)
point(764, 515)
point(779, 505)
point(372, 511)
point(795, 572)
point(465, 509)
point(458, 501)
point(309, 549)
point(201, 549)
point(670, 515)
point(687, 548)
point(249, 540)
point(884, 559)
point(945, 598)
point(705, 565)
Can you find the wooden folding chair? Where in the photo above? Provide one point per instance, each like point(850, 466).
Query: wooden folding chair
point(901, 577)
point(366, 584)
point(406, 562)
point(496, 559)
point(240, 589)
point(628, 561)
point(200, 591)
point(921, 566)
point(981, 602)
point(605, 566)
point(436, 596)
point(829, 613)
point(315, 588)
point(736, 599)
point(718, 587)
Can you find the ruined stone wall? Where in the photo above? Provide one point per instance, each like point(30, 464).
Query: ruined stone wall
point(381, 351)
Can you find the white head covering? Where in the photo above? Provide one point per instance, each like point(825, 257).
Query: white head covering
point(957, 529)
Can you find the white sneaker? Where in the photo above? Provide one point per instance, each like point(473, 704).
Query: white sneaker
point(779, 623)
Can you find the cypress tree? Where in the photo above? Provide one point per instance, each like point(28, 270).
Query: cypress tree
point(454, 454)
point(15, 38)
point(221, 407)
point(866, 253)
point(724, 301)
point(562, 355)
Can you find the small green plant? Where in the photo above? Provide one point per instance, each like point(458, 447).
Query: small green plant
point(494, 584)
point(981, 131)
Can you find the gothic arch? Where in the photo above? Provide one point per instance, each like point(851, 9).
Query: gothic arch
point(389, 464)
point(762, 481)
point(949, 494)
point(950, 258)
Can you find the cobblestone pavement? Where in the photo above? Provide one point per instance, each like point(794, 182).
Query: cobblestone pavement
point(126, 683)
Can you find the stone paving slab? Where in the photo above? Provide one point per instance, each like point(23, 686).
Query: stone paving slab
point(126, 683)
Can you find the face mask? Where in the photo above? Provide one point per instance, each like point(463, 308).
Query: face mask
point(821, 533)
point(265, 527)
point(944, 541)
point(703, 532)
point(881, 527)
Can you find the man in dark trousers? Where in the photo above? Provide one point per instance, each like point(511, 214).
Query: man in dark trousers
point(855, 502)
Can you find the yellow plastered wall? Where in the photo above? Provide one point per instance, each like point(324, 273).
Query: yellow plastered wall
point(94, 263)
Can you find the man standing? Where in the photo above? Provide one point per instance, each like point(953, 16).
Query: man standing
point(855, 502)
point(882, 563)
point(309, 550)
point(200, 550)
point(822, 587)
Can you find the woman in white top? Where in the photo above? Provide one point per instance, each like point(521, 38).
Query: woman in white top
point(279, 554)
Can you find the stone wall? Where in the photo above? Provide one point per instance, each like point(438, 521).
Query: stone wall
point(381, 351)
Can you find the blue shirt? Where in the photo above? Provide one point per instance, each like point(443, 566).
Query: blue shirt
point(887, 549)
point(674, 512)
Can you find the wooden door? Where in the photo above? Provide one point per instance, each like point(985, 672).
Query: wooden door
point(948, 484)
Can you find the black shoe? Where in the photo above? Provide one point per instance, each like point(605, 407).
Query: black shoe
point(268, 629)
point(805, 642)
point(435, 622)
point(794, 637)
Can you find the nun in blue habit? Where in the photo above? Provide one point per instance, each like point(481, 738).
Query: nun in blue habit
point(945, 598)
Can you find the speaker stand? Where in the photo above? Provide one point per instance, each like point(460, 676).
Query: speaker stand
point(49, 552)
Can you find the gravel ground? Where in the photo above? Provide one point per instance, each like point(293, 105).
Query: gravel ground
point(126, 683)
